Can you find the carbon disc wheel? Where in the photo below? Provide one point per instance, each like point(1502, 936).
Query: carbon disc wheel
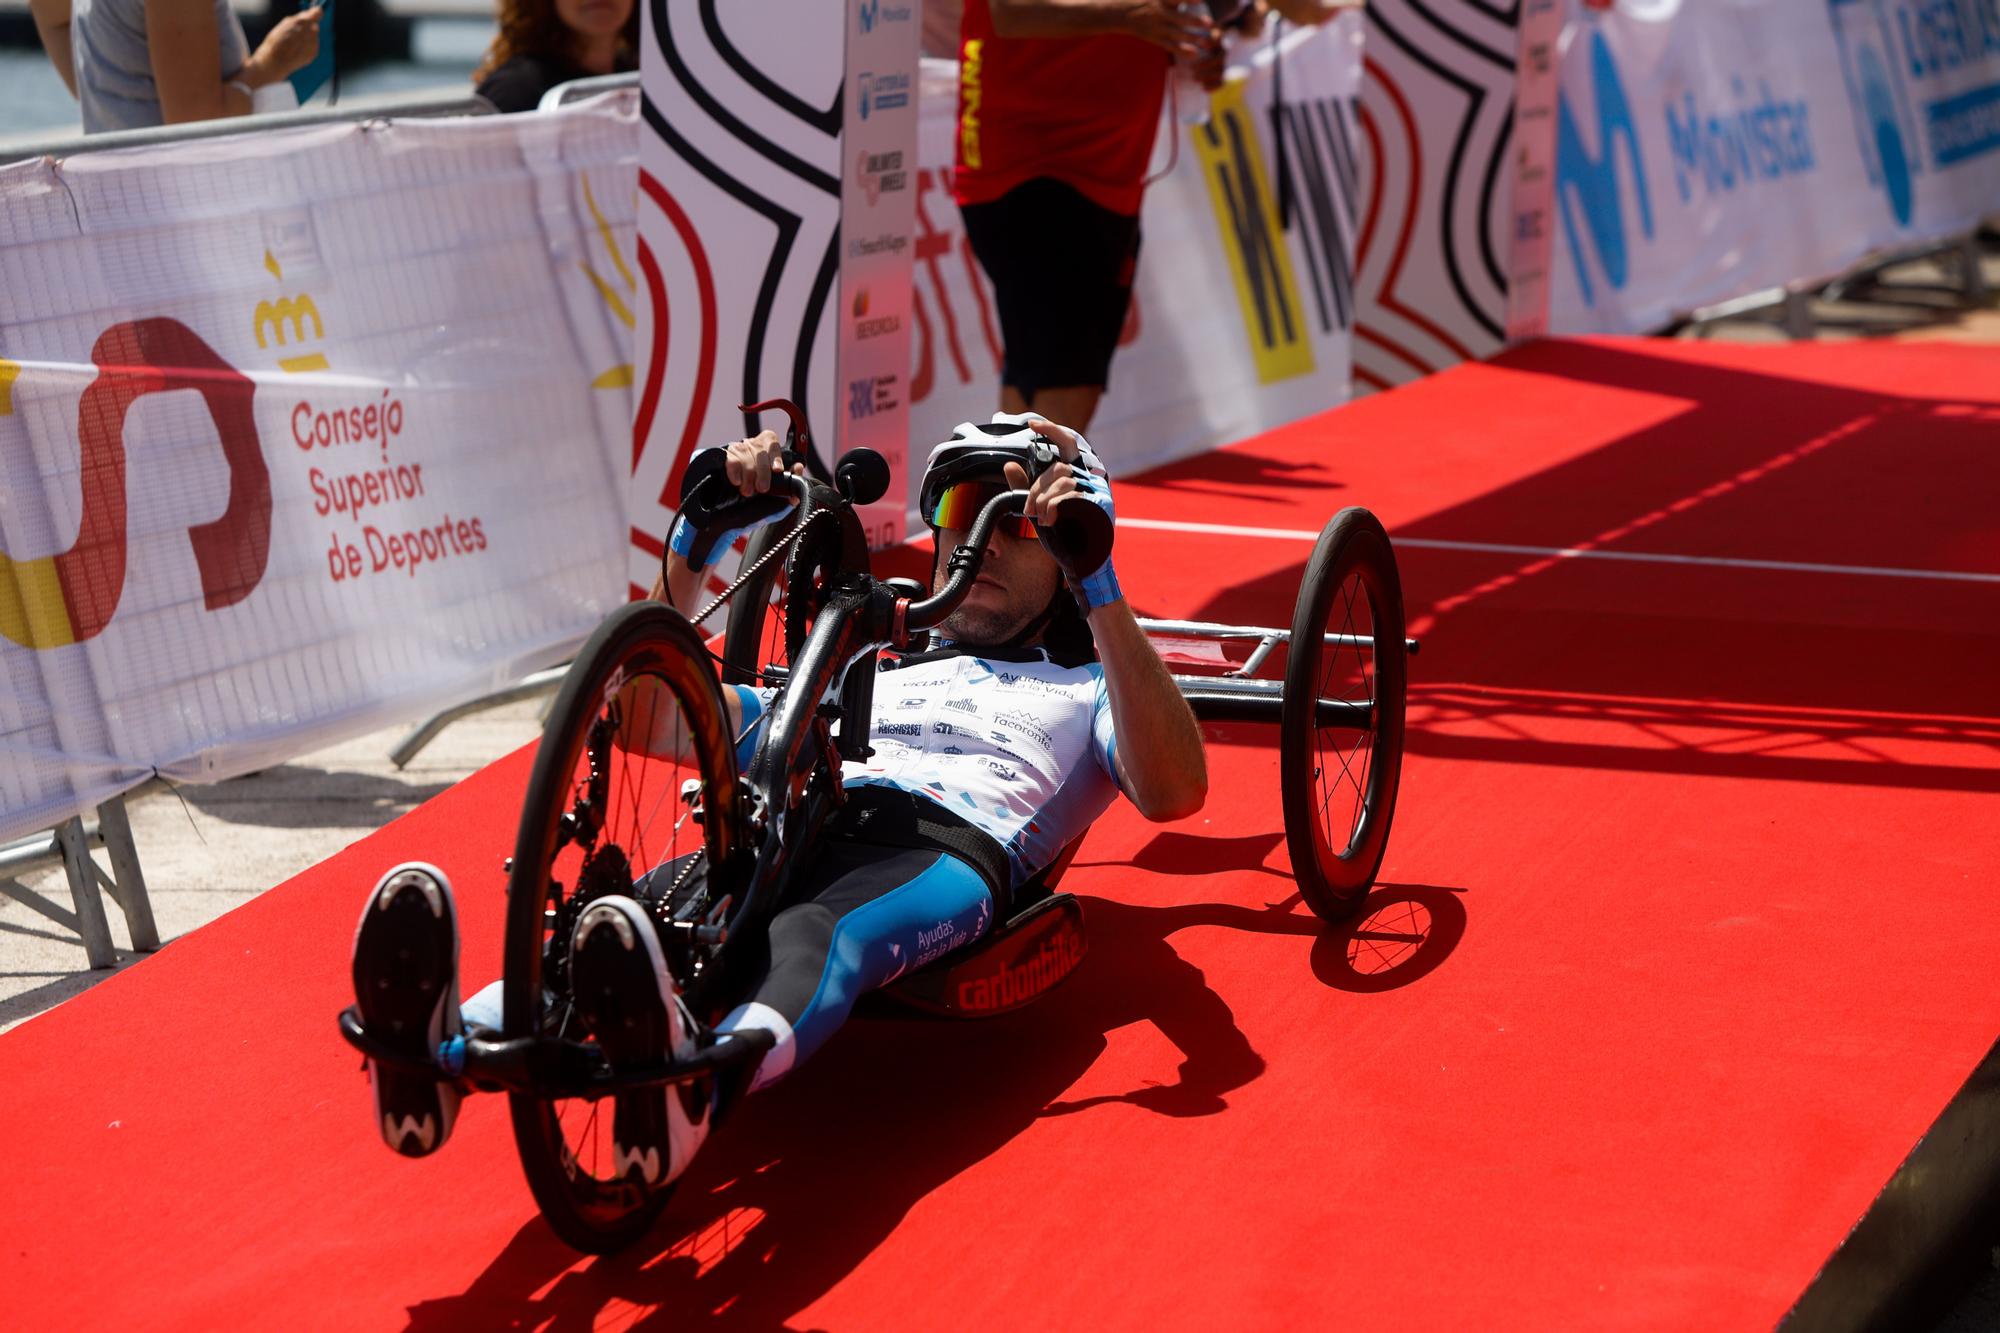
point(1341, 728)
point(638, 718)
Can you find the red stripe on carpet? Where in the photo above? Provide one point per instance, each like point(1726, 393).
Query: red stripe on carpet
point(1684, 938)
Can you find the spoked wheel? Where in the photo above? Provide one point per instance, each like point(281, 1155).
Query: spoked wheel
point(638, 717)
point(1341, 730)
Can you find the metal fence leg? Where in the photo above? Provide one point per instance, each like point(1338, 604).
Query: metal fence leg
point(1974, 277)
point(1798, 314)
point(128, 883)
point(90, 922)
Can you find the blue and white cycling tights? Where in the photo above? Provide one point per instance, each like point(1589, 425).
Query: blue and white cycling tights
point(875, 913)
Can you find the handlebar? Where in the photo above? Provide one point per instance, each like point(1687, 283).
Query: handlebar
point(1079, 539)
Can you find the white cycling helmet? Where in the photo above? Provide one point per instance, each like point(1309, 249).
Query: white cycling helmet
point(976, 450)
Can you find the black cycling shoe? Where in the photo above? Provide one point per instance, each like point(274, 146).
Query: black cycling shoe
point(406, 988)
point(628, 1000)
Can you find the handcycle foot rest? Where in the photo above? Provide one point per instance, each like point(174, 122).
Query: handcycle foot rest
point(1019, 962)
point(549, 1067)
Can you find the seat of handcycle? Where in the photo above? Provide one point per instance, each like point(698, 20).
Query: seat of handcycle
point(1039, 944)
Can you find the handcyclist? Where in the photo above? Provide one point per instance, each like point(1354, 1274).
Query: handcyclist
point(992, 752)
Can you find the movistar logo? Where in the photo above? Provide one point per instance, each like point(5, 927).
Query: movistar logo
point(875, 12)
point(1877, 93)
point(1758, 138)
point(1589, 184)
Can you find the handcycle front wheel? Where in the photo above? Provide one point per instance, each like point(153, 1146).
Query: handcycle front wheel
point(1340, 742)
point(637, 717)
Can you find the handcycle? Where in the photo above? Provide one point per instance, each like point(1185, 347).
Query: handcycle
point(712, 849)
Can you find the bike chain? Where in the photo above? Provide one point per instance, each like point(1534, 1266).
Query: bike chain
point(781, 546)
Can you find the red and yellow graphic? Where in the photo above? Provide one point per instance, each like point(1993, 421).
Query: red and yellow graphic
point(1233, 165)
point(69, 598)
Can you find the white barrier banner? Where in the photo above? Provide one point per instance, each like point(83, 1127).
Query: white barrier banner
point(1708, 151)
point(1237, 324)
point(739, 234)
point(301, 433)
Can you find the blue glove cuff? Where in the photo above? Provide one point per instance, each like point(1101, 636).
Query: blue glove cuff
point(681, 539)
point(1100, 589)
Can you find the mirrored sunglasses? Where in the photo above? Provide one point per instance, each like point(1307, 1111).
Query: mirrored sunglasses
point(958, 508)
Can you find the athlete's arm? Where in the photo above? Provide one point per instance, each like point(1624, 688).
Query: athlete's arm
point(1160, 22)
point(52, 22)
point(750, 465)
point(1161, 763)
point(185, 46)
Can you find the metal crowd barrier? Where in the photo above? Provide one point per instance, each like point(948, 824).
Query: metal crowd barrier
point(1793, 300)
point(380, 106)
point(74, 840)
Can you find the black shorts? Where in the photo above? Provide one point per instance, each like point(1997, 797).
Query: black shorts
point(1062, 270)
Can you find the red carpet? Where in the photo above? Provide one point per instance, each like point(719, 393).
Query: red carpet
point(1701, 856)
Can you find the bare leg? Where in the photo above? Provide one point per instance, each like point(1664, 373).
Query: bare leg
point(1012, 401)
point(1073, 406)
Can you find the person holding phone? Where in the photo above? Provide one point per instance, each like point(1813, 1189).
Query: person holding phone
point(543, 43)
point(137, 63)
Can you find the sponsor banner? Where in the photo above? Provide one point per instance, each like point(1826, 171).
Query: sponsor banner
point(279, 459)
point(1436, 131)
point(1706, 152)
point(1238, 322)
point(1532, 235)
point(742, 176)
point(877, 215)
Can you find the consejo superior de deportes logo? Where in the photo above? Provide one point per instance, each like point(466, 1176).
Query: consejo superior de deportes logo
point(1589, 185)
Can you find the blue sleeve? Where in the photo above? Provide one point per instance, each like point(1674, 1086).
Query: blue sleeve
point(1104, 739)
point(754, 704)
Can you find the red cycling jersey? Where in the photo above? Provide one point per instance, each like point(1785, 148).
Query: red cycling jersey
point(1080, 109)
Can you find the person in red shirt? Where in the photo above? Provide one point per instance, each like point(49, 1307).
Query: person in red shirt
point(1057, 104)
point(1058, 101)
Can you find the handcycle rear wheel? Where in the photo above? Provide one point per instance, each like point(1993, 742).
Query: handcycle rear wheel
point(1338, 775)
point(597, 816)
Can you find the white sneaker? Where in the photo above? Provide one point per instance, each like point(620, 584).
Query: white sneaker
point(628, 1000)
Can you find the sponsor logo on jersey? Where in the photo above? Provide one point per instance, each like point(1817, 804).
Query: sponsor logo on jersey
point(1025, 722)
point(962, 705)
point(899, 729)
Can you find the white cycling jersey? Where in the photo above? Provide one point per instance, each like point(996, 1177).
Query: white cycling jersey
point(1023, 751)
